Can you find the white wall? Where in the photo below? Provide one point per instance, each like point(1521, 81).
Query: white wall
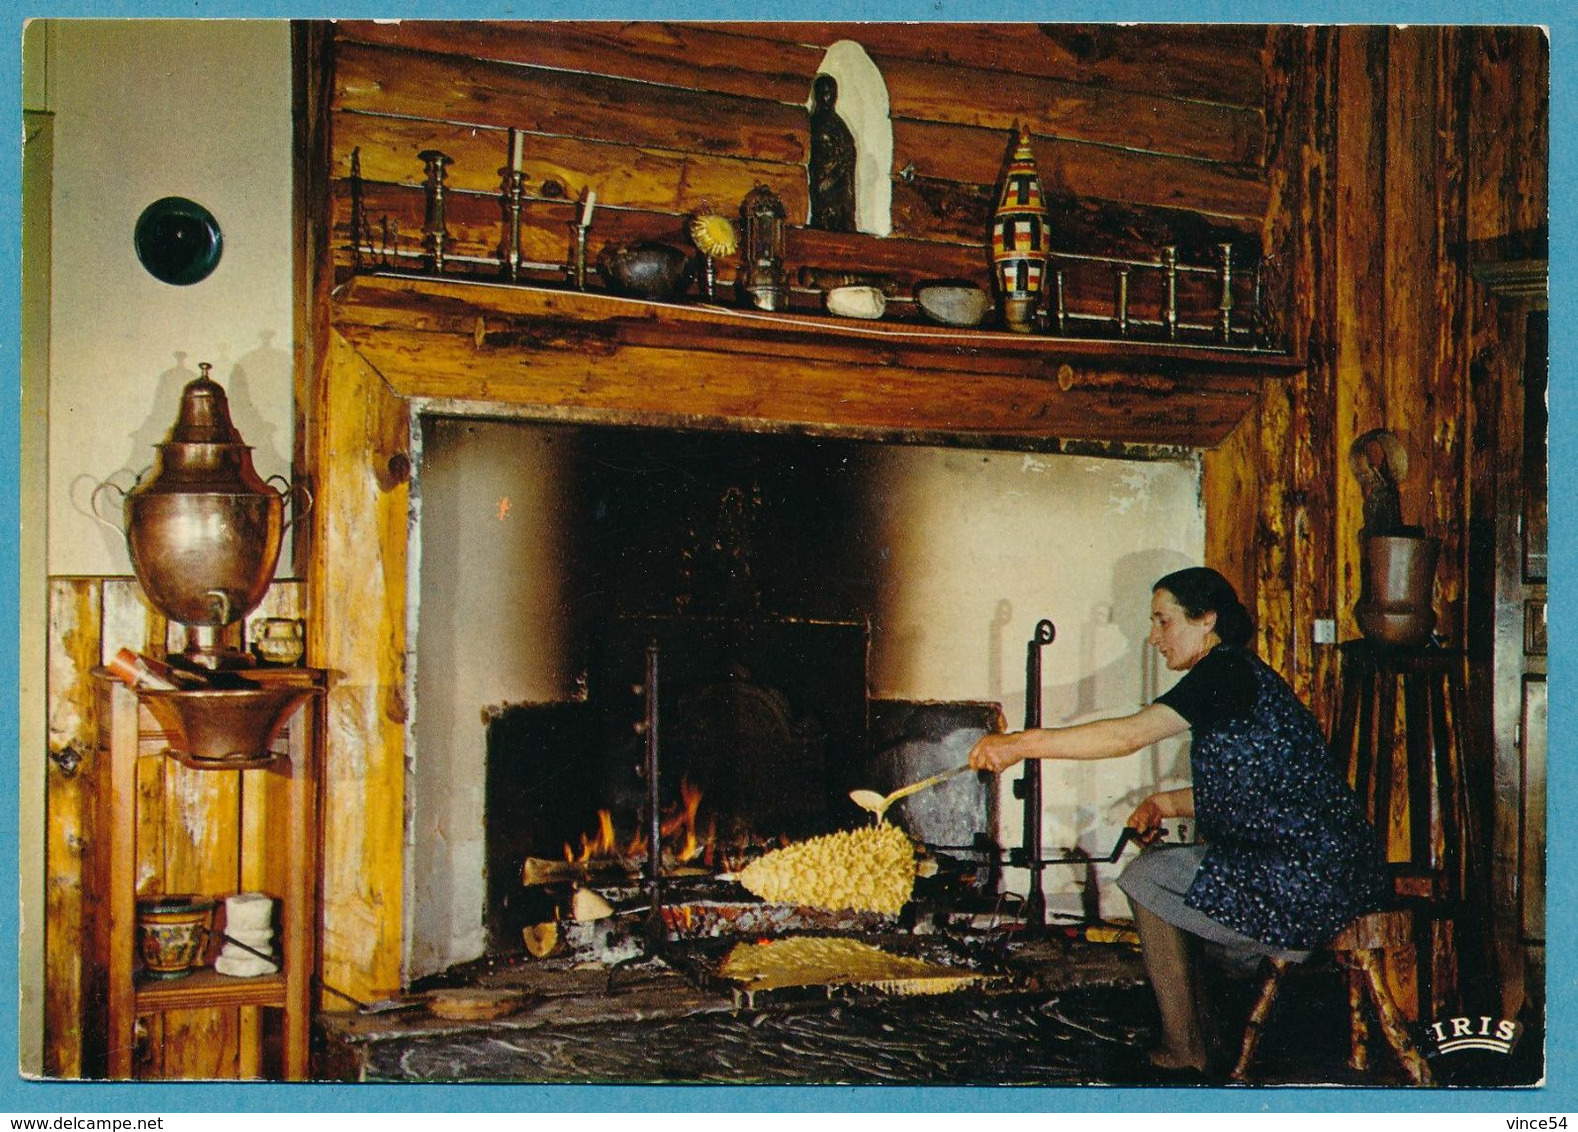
point(985, 545)
point(143, 110)
point(493, 575)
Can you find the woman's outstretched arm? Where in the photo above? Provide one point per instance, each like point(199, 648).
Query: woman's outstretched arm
point(1099, 739)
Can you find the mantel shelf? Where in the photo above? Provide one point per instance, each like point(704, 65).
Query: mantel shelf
point(571, 355)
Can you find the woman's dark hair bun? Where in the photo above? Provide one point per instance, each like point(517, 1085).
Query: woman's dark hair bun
point(1200, 590)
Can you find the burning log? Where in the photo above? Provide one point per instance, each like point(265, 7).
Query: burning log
point(609, 871)
point(538, 870)
point(541, 939)
point(587, 905)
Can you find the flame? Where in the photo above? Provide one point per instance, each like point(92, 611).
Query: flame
point(681, 829)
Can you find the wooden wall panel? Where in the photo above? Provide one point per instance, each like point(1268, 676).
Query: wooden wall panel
point(450, 88)
point(73, 651)
point(1409, 240)
point(1360, 284)
point(1316, 461)
point(1078, 111)
point(1508, 106)
point(720, 59)
point(1230, 487)
point(1215, 63)
point(358, 631)
point(1446, 385)
point(974, 156)
point(1189, 91)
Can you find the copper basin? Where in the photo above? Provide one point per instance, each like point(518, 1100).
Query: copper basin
point(226, 728)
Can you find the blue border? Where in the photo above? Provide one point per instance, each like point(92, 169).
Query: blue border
point(1561, 1094)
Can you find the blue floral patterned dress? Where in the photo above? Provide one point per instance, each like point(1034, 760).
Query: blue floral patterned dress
point(1290, 858)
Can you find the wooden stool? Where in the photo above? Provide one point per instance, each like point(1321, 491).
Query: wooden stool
point(1359, 948)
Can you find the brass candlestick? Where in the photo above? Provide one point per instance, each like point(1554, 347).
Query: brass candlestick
point(578, 227)
point(578, 255)
point(514, 187)
point(1227, 293)
point(435, 237)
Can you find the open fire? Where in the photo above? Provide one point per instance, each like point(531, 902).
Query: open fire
point(690, 838)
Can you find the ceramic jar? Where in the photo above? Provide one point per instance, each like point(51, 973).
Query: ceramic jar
point(279, 640)
point(1399, 574)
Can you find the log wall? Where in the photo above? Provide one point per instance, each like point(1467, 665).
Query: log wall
point(1393, 153)
point(1143, 136)
point(1398, 147)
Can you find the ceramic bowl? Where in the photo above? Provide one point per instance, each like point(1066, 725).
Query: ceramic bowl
point(172, 934)
point(645, 271)
point(953, 304)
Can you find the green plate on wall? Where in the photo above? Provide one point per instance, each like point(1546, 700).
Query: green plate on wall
point(178, 241)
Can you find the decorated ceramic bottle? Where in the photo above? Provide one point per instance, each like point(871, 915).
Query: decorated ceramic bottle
point(1019, 238)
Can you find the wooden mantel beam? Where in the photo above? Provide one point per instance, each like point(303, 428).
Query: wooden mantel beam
point(567, 355)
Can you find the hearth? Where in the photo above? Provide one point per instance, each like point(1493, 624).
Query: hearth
point(820, 605)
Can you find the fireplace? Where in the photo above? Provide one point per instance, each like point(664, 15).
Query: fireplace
point(829, 613)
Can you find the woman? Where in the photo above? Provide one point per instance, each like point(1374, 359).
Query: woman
point(1287, 857)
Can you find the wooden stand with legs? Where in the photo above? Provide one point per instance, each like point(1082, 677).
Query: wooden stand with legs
point(273, 843)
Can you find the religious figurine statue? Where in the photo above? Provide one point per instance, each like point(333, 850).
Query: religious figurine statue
point(832, 162)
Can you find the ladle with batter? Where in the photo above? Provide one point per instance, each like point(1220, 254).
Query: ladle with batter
point(878, 804)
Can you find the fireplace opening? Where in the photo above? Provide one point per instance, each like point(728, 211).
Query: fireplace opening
point(830, 614)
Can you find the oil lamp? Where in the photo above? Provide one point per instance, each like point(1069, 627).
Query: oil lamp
point(762, 276)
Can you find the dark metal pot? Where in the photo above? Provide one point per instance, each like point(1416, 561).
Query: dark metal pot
point(646, 271)
point(204, 529)
point(1399, 574)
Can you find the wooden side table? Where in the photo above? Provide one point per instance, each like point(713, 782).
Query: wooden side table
point(276, 835)
point(1410, 702)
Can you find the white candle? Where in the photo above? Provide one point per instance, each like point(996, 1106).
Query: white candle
point(586, 211)
point(515, 149)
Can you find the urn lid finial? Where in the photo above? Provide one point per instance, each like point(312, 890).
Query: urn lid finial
point(204, 416)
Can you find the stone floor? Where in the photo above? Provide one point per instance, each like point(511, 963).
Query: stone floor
point(1072, 1013)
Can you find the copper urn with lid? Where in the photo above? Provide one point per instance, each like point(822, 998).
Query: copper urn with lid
point(204, 529)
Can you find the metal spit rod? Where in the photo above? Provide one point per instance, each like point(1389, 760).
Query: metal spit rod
point(655, 930)
point(1029, 786)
